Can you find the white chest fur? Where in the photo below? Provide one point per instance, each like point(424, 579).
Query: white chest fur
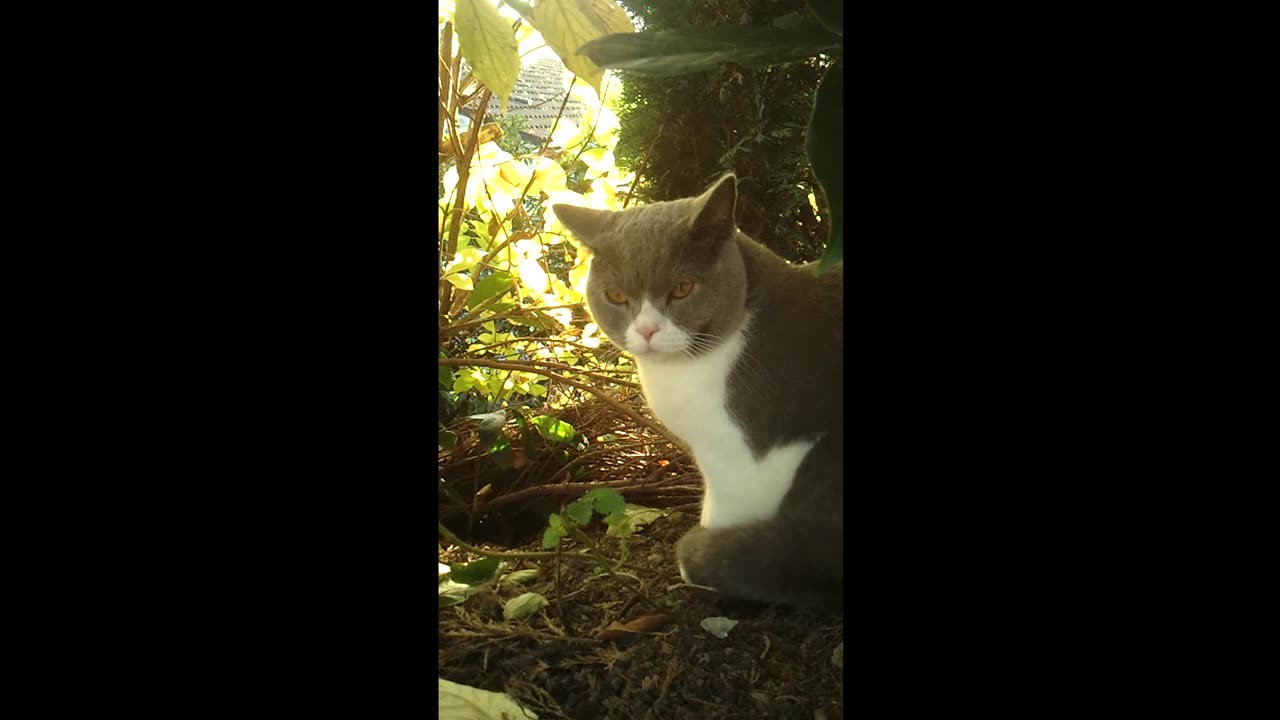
point(691, 398)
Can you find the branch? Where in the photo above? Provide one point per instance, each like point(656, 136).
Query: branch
point(603, 395)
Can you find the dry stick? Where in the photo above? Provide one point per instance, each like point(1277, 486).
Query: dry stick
point(454, 329)
point(517, 555)
point(576, 489)
point(444, 69)
point(644, 166)
point(529, 367)
point(464, 175)
point(449, 332)
point(606, 563)
point(580, 371)
point(534, 176)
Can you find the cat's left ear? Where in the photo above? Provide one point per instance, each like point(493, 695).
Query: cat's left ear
point(715, 221)
point(586, 224)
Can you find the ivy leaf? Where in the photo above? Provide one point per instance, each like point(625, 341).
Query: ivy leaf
point(474, 573)
point(567, 25)
point(551, 537)
point(606, 500)
point(488, 44)
point(695, 49)
point(824, 143)
point(580, 511)
point(553, 428)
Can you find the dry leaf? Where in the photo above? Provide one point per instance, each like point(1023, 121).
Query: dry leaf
point(642, 624)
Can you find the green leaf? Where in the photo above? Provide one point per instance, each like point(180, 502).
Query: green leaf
point(488, 44)
point(474, 573)
point(520, 576)
point(462, 282)
point(523, 606)
point(830, 12)
point(606, 500)
point(579, 511)
point(824, 143)
point(455, 595)
point(567, 25)
point(633, 517)
point(447, 439)
point(490, 422)
point(446, 376)
point(553, 428)
point(501, 454)
point(690, 50)
point(551, 538)
point(495, 283)
point(555, 521)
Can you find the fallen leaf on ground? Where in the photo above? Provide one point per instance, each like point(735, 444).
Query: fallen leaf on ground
point(642, 624)
point(718, 626)
point(463, 702)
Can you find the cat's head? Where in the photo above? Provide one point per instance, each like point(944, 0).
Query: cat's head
point(667, 279)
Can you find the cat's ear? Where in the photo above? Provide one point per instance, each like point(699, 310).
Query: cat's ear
point(715, 221)
point(586, 224)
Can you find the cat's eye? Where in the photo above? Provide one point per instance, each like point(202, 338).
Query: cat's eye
point(616, 297)
point(682, 289)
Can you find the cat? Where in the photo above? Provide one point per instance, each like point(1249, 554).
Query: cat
point(741, 355)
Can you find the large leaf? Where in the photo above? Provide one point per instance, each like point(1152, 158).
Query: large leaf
point(830, 12)
point(463, 702)
point(488, 44)
point(474, 573)
point(689, 50)
point(494, 283)
point(824, 142)
point(553, 428)
point(567, 25)
point(523, 606)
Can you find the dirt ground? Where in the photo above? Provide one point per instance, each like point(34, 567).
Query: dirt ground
point(777, 662)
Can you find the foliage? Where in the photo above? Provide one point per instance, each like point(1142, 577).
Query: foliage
point(510, 281)
point(746, 118)
point(606, 502)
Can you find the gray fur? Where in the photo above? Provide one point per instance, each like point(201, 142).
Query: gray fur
point(787, 385)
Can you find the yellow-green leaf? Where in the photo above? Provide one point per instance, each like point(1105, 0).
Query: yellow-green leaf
point(462, 282)
point(599, 161)
point(567, 25)
point(488, 44)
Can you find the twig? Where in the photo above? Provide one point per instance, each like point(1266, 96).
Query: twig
point(529, 367)
point(516, 555)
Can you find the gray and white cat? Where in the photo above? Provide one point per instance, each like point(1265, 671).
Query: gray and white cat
point(740, 354)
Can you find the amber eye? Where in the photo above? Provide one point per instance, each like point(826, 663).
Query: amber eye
point(615, 297)
point(683, 289)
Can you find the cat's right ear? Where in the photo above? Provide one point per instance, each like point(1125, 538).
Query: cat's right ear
point(586, 224)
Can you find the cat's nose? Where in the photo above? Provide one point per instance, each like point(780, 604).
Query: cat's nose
point(647, 331)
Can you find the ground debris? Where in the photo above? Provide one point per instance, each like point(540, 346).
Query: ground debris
point(778, 664)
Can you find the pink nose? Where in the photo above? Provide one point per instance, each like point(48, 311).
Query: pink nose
point(647, 331)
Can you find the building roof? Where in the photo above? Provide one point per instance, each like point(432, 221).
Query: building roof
point(537, 97)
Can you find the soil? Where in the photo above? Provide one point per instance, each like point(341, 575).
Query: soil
point(777, 662)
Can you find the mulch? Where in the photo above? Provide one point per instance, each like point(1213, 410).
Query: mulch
point(777, 662)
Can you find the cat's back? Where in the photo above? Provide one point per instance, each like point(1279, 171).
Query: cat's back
point(790, 383)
